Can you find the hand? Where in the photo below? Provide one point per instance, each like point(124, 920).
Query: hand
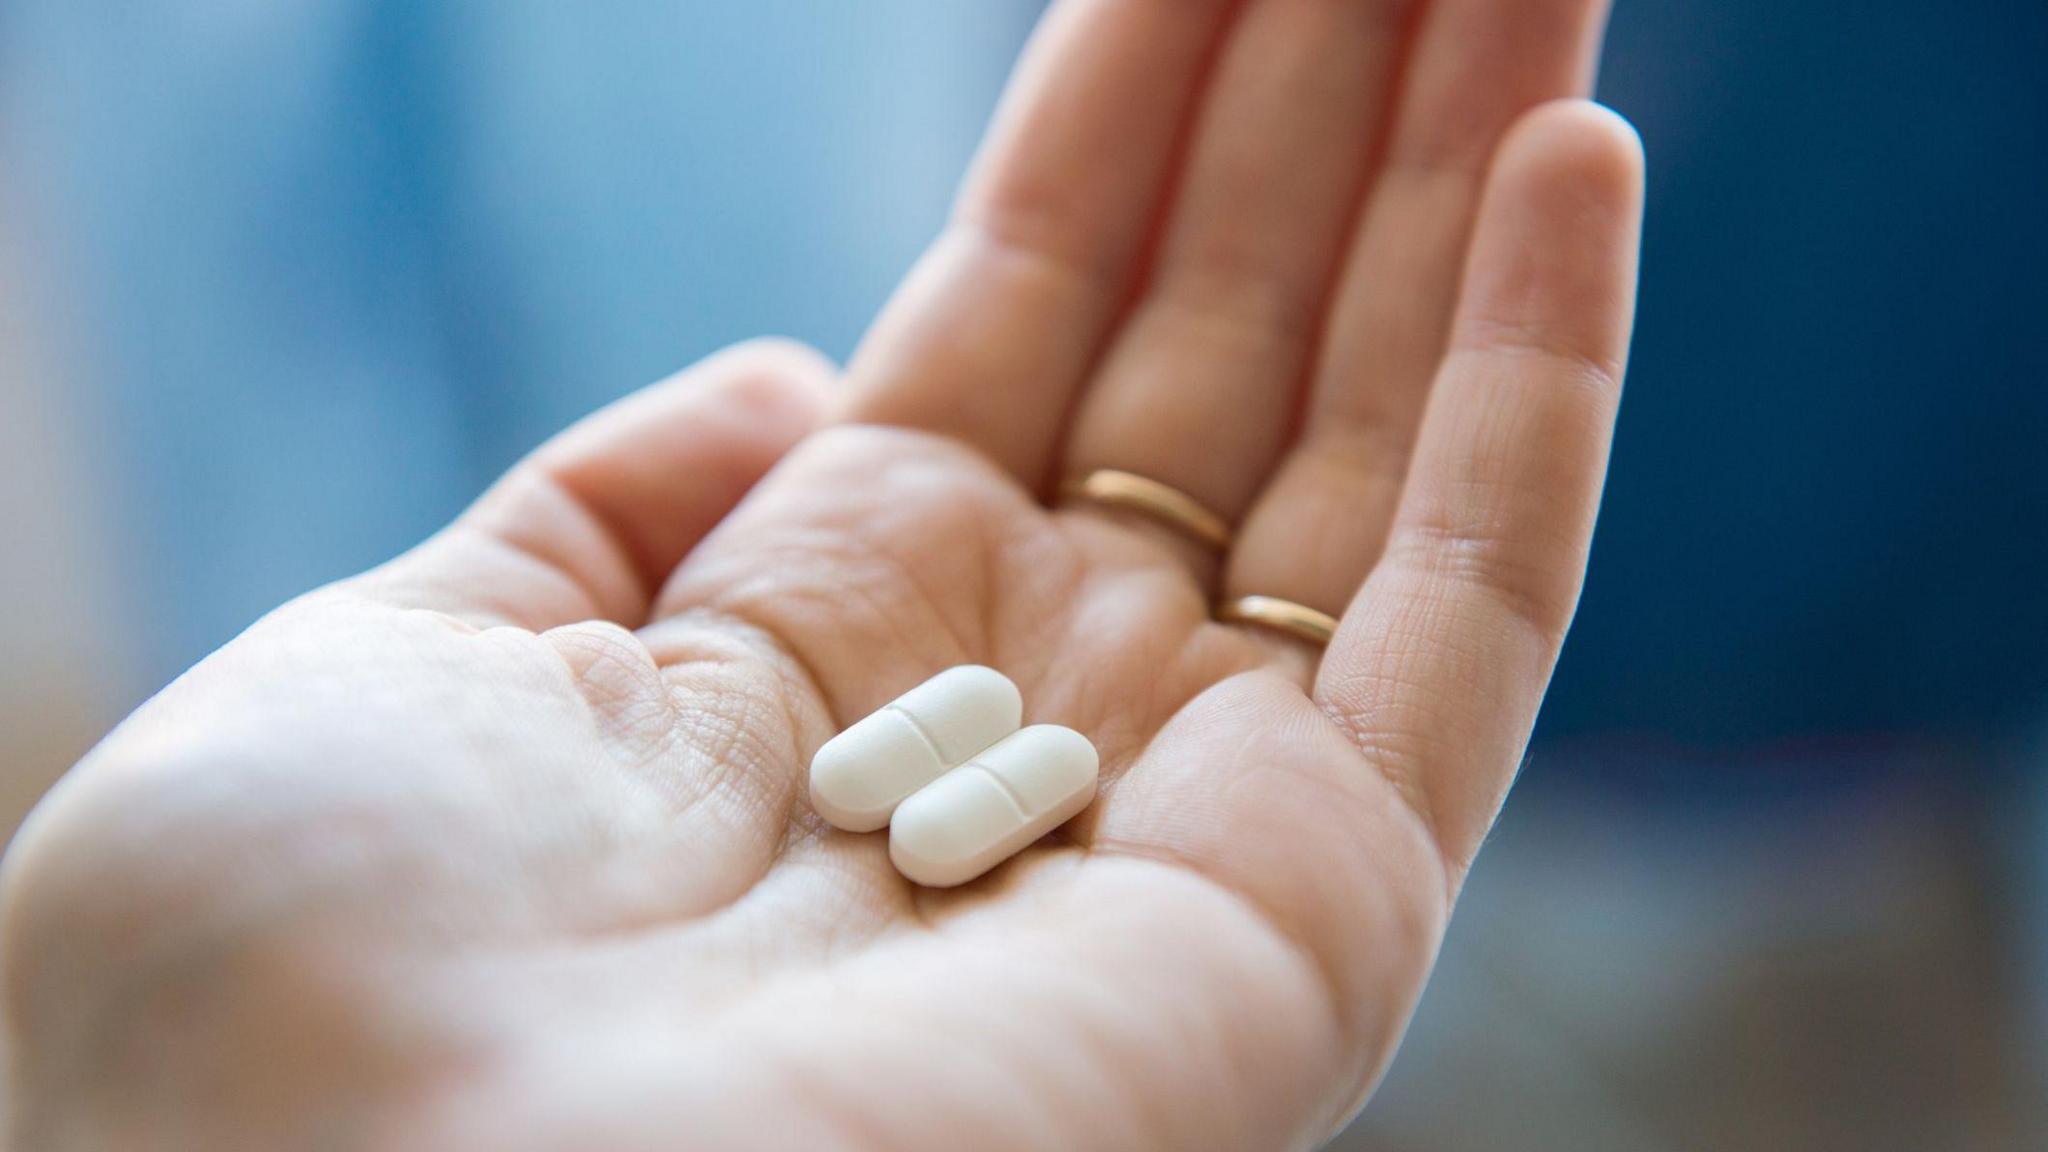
point(504, 845)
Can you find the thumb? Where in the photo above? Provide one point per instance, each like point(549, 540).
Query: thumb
point(591, 523)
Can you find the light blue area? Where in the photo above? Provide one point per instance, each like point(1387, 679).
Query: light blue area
point(334, 265)
point(338, 264)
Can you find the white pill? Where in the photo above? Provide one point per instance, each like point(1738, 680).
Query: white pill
point(860, 775)
point(994, 806)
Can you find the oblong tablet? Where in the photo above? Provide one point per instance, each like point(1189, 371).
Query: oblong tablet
point(860, 775)
point(994, 806)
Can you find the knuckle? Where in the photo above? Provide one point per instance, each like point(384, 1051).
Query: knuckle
point(1497, 574)
point(773, 364)
point(99, 920)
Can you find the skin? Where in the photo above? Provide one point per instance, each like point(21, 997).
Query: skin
point(504, 845)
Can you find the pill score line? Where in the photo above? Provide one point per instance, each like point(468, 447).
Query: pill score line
point(948, 769)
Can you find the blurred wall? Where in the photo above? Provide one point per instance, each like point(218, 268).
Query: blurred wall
point(1827, 504)
point(58, 691)
point(335, 265)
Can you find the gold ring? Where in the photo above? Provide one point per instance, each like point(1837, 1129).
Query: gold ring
point(1297, 620)
point(1168, 505)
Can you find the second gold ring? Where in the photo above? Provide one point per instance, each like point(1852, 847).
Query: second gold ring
point(1285, 616)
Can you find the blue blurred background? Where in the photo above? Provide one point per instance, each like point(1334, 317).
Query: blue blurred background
point(283, 286)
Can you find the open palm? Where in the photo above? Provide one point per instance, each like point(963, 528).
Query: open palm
point(504, 845)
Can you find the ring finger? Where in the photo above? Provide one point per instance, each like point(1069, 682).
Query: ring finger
point(1199, 389)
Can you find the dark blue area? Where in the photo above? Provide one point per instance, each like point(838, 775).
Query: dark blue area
point(1828, 509)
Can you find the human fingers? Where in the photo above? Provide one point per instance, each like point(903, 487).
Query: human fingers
point(1321, 521)
point(1443, 658)
point(1200, 386)
point(990, 335)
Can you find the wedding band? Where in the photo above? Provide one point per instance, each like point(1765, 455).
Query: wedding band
point(1167, 505)
point(1297, 620)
